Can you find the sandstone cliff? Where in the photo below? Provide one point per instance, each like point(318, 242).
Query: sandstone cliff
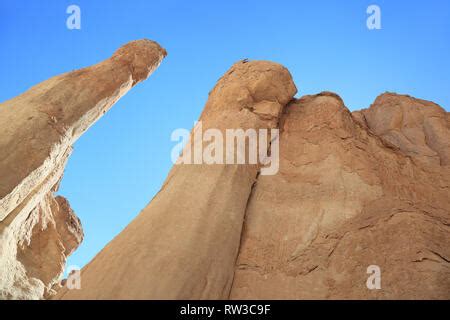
point(38, 128)
point(354, 189)
point(184, 244)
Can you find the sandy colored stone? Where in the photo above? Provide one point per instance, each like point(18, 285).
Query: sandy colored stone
point(184, 244)
point(352, 191)
point(38, 129)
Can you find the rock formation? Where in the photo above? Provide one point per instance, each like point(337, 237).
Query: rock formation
point(183, 245)
point(353, 190)
point(38, 128)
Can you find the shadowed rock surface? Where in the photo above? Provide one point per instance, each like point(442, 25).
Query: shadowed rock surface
point(38, 129)
point(354, 189)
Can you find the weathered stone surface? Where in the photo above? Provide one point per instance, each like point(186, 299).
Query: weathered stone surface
point(38, 129)
point(417, 127)
point(184, 244)
point(354, 189)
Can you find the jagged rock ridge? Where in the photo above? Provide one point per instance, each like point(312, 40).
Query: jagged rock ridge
point(37, 230)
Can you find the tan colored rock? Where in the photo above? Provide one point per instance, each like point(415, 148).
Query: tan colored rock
point(417, 127)
point(184, 244)
point(39, 127)
point(353, 190)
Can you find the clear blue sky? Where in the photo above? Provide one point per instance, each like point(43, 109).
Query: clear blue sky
point(121, 162)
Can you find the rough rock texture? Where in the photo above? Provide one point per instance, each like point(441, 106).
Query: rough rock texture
point(38, 128)
point(354, 189)
point(183, 245)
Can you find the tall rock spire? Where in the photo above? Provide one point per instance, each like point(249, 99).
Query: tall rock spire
point(38, 129)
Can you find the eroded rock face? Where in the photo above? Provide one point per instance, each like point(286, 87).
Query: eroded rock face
point(353, 190)
point(37, 230)
point(184, 244)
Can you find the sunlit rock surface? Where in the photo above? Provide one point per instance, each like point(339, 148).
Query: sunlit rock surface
point(38, 128)
point(353, 190)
